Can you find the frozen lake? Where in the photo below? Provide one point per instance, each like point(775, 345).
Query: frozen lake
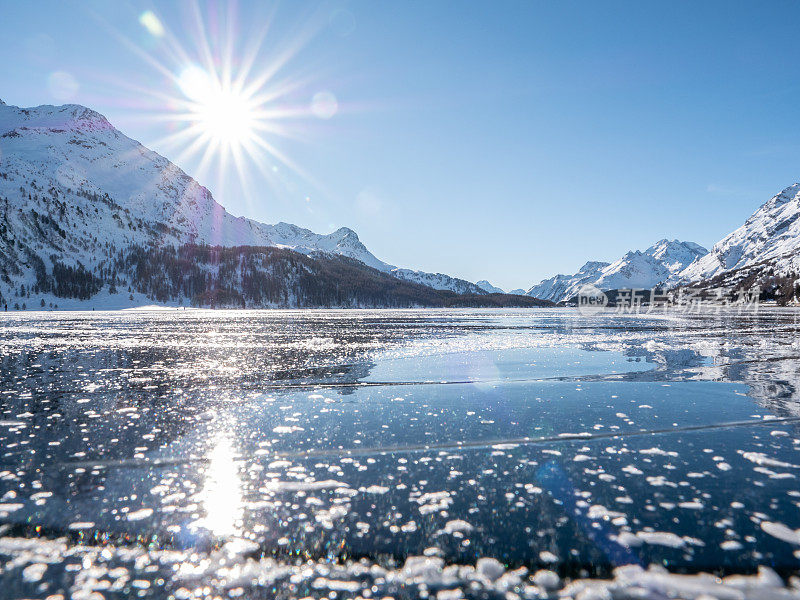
point(382, 453)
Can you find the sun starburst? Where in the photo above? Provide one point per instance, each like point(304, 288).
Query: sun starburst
point(228, 102)
point(218, 111)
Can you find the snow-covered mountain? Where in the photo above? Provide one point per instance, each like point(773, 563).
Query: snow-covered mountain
point(770, 236)
point(488, 287)
point(562, 286)
point(762, 251)
point(75, 191)
point(653, 266)
point(438, 281)
point(637, 269)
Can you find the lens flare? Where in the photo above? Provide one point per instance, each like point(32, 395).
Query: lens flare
point(63, 86)
point(324, 105)
point(194, 83)
point(152, 23)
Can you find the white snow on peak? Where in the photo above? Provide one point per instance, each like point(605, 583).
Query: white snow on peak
point(72, 147)
point(488, 287)
point(771, 234)
point(637, 269)
point(561, 286)
point(438, 281)
point(770, 238)
point(649, 268)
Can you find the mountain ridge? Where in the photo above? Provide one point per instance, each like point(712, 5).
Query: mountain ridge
point(764, 252)
point(636, 269)
point(74, 191)
point(770, 235)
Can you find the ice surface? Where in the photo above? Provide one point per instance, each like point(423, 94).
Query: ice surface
point(308, 453)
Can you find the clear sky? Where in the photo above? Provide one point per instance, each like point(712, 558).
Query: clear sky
point(499, 140)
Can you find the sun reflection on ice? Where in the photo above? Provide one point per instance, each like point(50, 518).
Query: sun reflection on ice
point(222, 492)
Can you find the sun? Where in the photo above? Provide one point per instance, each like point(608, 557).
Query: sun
point(226, 117)
point(216, 109)
point(232, 105)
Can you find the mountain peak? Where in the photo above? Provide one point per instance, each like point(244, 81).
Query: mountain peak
point(771, 235)
point(673, 245)
point(668, 242)
point(346, 232)
point(488, 287)
point(82, 113)
point(786, 195)
point(73, 117)
point(636, 269)
point(592, 266)
point(287, 226)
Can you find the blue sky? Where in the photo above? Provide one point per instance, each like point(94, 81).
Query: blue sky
point(499, 140)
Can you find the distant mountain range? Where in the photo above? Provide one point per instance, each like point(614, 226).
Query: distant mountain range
point(764, 253)
point(77, 196)
point(636, 269)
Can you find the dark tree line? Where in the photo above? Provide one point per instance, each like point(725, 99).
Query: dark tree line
point(782, 287)
point(249, 276)
point(74, 282)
